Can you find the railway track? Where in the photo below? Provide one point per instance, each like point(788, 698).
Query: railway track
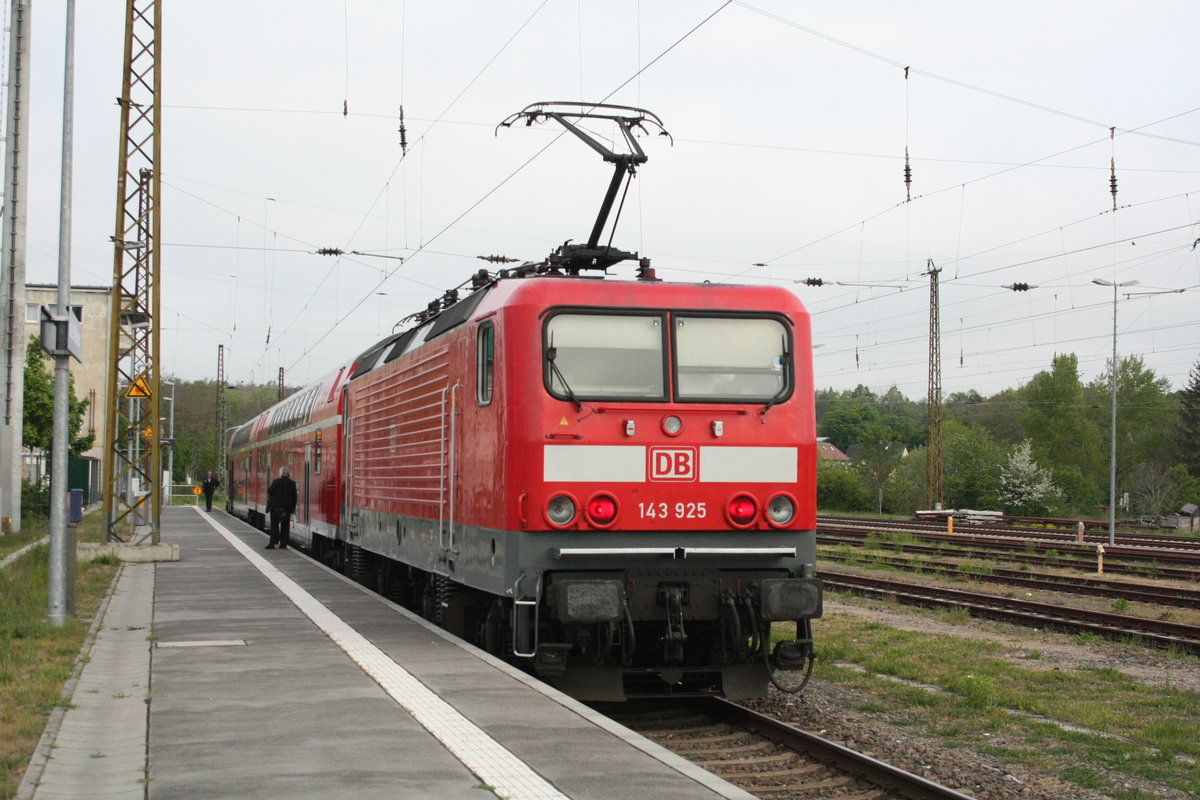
point(769, 758)
point(1090, 586)
point(1134, 561)
point(1091, 539)
point(1158, 633)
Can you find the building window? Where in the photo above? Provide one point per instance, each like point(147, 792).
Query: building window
point(31, 312)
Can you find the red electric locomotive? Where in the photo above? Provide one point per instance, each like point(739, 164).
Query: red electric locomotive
point(612, 482)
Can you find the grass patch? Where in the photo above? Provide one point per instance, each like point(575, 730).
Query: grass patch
point(980, 685)
point(12, 542)
point(36, 658)
point(977, 568)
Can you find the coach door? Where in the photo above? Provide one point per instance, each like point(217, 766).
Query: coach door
point(307, 481)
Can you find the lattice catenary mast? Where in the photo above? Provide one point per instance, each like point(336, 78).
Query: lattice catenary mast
point(934, 492)
point(133, 461)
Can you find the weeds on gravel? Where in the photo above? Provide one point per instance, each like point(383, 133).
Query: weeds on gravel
point(36, 658)
point(977, 568)
point(979, 692)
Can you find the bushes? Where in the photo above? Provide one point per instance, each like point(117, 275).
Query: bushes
point(840, 488)
point(35, 499)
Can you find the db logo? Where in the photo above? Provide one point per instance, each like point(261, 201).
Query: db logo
point(672, 463)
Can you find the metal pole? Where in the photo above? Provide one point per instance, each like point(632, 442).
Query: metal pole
point(12, 284)
point(61, 593)
point(171, 452)
point(1112, 455)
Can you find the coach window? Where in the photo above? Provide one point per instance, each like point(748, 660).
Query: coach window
point(736, 359)
point(613, 356)
point(485, 364)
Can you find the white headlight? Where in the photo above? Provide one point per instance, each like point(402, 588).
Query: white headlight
point(781, 510)
point(560, 510)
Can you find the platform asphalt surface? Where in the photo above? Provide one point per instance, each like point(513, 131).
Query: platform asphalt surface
point(238, 673)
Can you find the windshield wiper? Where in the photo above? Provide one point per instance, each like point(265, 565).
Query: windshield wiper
point(784, 361)
point(551, 356)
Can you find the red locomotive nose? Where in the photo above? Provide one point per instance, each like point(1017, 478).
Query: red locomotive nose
point(602, 510)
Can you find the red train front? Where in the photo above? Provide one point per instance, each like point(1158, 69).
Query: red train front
point(612, 481)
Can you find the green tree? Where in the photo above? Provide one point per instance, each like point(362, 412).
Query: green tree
point(37, 430)
point(839, 488)
point(877, 456)
point(908, 420)
point(997, 414)
point(1155, 489)
point(1145, 411)
point(1053, 419)
point(1187, 424)
point(972, 462)
point(904, 493)
point(196, 434)
point(1076, 494)
point(845, 422)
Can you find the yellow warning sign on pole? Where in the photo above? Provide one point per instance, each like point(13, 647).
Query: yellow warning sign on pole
point(139, 388)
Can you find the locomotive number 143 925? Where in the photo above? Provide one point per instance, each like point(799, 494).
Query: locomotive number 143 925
point(673, 510)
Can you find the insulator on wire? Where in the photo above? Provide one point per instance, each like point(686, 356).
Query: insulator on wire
point(329, 251)
point(494, 259)
point(403, 133)
point(1020, 287)
point(907, 177)
point(813, 282)
point(1112, 181)
point(345, 108)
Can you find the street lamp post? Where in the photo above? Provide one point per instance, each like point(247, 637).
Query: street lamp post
point(1112, 454)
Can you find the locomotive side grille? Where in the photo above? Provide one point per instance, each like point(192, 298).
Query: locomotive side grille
point(399, 457)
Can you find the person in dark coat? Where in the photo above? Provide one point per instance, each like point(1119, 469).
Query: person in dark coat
point(281, 504)
point(209, 486)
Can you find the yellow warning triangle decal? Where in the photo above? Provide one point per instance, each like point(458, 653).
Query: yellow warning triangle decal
point(139, 388)
point(563, 421)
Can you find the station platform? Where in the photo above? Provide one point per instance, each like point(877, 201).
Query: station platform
point(237, 672)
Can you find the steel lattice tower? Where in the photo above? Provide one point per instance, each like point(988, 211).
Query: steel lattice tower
point(133, 461)
point(934, 491)
point(222, 411)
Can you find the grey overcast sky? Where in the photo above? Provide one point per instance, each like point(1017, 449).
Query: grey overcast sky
point(790, 123)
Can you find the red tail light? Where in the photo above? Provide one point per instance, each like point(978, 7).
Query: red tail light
point(602, 510)
point(742, 510)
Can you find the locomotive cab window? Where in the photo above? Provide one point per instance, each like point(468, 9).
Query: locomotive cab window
point(485, 364)
point(735, 359)
point(613, 356)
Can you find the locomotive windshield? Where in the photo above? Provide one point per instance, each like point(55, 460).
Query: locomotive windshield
point(622, 356)
point(730, 358)
point(605, 356)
